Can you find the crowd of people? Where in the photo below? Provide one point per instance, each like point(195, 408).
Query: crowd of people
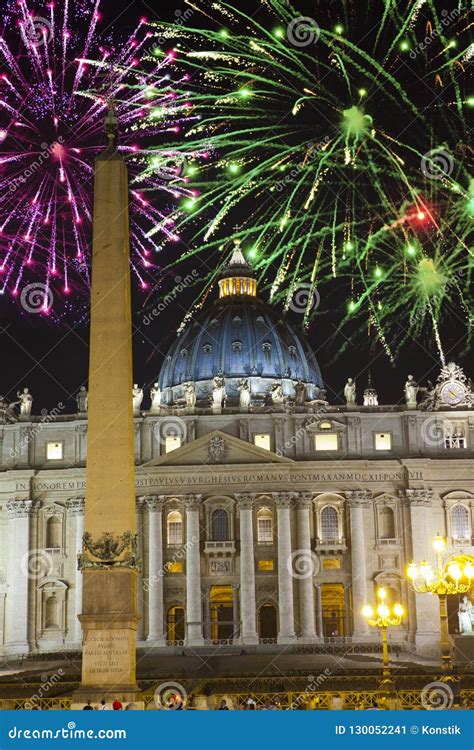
point(177, 702)
point(116, 705)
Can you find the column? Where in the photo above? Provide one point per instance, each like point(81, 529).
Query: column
point(357, 501)
point(248, 631)
point(423, 609)
point(2, 619)
point(193, 572)
point(235, 611)
point(319, 610)
point(347, 610)
point(206, 599)
point(146, 438)
point(23, 565)
point(75, 507)
point(285, 569)
point(308, 560)
point(139, 508)
point(154, 584)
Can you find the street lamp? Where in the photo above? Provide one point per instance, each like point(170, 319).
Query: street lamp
point(442, 580)
point(384, 616)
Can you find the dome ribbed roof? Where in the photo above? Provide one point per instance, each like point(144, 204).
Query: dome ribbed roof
point(239, 337)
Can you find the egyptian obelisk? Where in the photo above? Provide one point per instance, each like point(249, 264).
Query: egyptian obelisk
point(108, 560)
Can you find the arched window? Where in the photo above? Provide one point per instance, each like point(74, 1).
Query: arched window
point(460, 522)
point(51, 618)
point(220, 525)
point(175, 527)
point(329, 524)
point(265, 525)
point(53, 532)
point(387, 523)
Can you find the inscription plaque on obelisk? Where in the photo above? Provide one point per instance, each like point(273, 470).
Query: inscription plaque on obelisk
point(109, 560)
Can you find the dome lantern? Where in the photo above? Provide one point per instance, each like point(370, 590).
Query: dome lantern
point(238, 277)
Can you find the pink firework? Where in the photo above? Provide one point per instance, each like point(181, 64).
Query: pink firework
point(60, 74)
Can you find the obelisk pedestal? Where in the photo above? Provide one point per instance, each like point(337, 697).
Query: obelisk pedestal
point(109, 556)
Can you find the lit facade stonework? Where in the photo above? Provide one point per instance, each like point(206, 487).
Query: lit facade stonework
point(247, 545)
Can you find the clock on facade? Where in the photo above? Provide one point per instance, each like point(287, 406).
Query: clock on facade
point(453, 393)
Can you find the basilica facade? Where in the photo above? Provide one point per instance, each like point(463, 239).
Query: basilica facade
point(267, 516)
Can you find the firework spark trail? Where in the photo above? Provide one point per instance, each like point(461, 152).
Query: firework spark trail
point(342, 137)
point(62, 72)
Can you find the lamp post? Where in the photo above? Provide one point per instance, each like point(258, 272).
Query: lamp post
point(383, 617)
point(442, 580)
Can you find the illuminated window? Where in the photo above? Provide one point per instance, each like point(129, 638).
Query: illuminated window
point(262, 441)
point(331, 563)
point(175, 527)
point(265, 525)
point(172, 442)
point(460, 522)
point(220, 525)
point(329, 524)
point(455, 435)
point(54, 451)
point(174, 567)
point(265, 564)
point(327, 441)
point(383, 441)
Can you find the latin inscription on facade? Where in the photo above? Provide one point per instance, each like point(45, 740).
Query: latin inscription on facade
point(191, 479)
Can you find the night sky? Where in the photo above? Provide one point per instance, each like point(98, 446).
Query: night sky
point(52, 359)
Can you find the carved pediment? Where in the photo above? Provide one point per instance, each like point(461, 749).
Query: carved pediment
point(322, 425)
point(218, 448)
point(385, 499)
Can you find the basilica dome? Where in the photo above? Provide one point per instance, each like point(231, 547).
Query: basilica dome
point(239, 337)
